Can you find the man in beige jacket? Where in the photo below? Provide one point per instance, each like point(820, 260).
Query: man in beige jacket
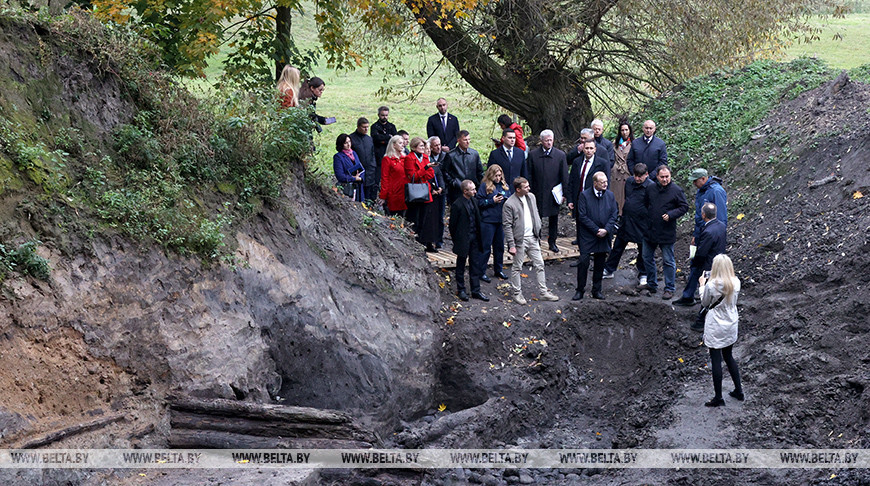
point(522, 233)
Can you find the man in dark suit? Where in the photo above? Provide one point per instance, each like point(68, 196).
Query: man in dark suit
point(511, 159)
point(362, 144)
point(465, 231)
point(648, 149)
point(548, 168)
point(444, 126)
point(596, 221)
point(582, 171)
point(711, 242)
point(462, 163)
point(382, 132)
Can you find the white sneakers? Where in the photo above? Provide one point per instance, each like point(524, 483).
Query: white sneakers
point(519, 299)
point(607, 274)
point(642, 280)
point(549, 296)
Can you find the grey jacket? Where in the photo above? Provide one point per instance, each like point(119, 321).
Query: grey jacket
point(512, 220)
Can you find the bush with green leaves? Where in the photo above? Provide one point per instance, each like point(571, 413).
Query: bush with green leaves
point(24, 260)
point(706, 121)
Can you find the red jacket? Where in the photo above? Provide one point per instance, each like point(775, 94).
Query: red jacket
point(416, 171)
point(393, 182)
point(520, 143)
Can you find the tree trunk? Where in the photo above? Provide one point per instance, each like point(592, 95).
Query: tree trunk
point(283, 22)
point(551, 97)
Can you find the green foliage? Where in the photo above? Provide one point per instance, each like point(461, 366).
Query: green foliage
point(706, 121)
point(860, 73)
point(24, 260)
point(179, 171)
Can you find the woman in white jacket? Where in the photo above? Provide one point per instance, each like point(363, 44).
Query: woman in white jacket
point(720, 326)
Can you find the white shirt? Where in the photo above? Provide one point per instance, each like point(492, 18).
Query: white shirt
point(527, 219)
point(584, 169)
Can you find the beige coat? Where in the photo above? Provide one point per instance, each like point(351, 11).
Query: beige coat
point(512, 220)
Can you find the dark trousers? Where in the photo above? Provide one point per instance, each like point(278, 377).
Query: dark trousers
point(597, 271)
point(716, 356)
point(692, 282)
point(441, 201)
point(492, 236)
point(553, 230)
point(619, 245)
point(473, 259)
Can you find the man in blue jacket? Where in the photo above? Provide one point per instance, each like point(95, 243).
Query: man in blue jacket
point(711, 242)
point(596, 221)
point(665, 203)
point(709, 190)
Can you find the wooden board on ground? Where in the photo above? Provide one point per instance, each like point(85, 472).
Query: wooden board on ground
point(447, 259)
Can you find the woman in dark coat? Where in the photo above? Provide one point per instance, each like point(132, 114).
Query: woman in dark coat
point(393, 178)
point(491, 196)
point(310, 92)
point(348, 169)
point(419, 169)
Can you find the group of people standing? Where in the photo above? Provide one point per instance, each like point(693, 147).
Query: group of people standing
point(618, 193)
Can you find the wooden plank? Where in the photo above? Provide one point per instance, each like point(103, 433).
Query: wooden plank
point(447, 259)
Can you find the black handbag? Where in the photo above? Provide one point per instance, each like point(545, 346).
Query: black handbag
point(702, 314)
point(416, 192)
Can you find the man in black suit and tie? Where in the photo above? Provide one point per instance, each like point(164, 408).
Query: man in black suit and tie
point(596, 221)
point(461, 163)
point(465, 231)
point(511, 159)
point(548, 168)
point(443, 125)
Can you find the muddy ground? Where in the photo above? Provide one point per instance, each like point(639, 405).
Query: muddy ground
point(628, 372)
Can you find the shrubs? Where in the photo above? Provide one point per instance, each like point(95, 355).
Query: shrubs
point(23, 260)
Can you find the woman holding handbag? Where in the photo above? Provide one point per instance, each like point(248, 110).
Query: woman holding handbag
point(719, 295)
point(418, 169)
point(393, 178)
point(348, 169)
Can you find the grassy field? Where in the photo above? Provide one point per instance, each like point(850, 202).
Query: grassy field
point(351, 94)
point(850, 50)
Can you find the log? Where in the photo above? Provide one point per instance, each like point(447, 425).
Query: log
point(260, 411)
point(265, 428)
point(56, 435)
point(214, 439)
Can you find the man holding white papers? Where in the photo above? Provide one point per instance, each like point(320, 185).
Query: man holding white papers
point(548, 167)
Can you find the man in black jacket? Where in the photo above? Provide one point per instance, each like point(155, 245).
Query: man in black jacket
point(710, 243)
point(665, 203)
point(548, 168)
point(462, 163)
point(362, 144)
point(382, 132)
point(634, 223)
point(648, 149)
point(596, 221)
point(598, 130)
point(444, 126)
point(465, 231)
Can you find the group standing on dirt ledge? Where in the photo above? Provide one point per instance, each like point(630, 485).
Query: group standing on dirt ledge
point(618, 193)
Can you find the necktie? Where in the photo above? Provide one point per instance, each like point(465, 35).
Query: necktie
point(444, 122)
point(583, 175)
point(546, 153)
point(598, 194)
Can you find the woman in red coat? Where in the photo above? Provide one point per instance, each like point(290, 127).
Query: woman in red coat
point(418, 168)
point(393, 178)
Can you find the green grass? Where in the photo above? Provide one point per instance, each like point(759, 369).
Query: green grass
point(847, 52)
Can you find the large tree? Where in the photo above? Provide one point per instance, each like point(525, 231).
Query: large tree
point(545, 60)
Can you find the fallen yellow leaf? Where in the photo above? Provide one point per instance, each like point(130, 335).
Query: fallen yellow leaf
point(857, 195)
point(680, 360)
point(506, 324)
point(442, 407)
point(740, 216)
point(524, 275)
point(441, 284)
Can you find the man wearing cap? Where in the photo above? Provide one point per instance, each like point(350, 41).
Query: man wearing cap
point(709, 191)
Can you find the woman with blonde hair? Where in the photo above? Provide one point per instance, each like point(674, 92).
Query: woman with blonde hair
point(719, 296)
point(288, 86)
point(393, 178)
point(491, 195)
